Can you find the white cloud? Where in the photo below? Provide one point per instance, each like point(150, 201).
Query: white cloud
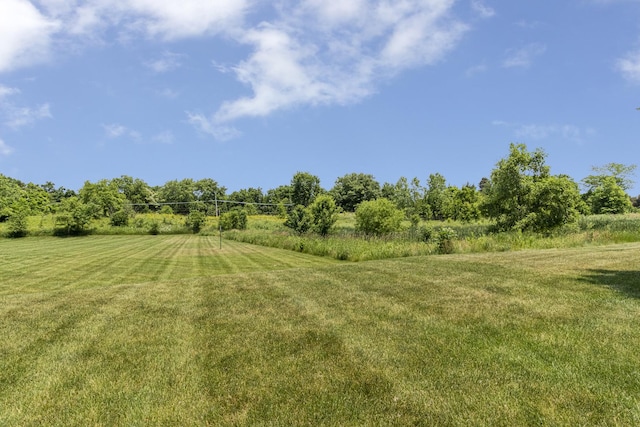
point(116, 130)
point(524, 56)
point(16, 117)
point(336, 52)
point(5, 150)
point(6, 91)
point(209, 127)
point(476, 69)
point(304, 52)
point(537, 132)
point(481, 9)
point(168, 61)
point(165, 137)
point(629, 66)
point(25, 33)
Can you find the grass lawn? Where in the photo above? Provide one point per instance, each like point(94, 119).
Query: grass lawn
point(172, 330)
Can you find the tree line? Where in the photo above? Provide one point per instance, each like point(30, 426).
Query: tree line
point(520, 193)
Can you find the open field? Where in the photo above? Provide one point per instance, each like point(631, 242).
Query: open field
point(167, 330)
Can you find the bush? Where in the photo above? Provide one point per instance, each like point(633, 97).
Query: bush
point(17, 224)
point(196, 220)
point(299, 219)
point(377, 217)
point(120, 218)
point(446, 236)
point(235, 219)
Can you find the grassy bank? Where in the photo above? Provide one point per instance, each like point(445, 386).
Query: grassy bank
point(165, 330)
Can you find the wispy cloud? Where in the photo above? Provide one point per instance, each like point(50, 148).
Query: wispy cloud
point(165, 137)
point(6, 91)
point(210, 127)
point(538, 132)
point(116, 130)
point(336, 52)
point(5, 150)
point(524, 56)
point(308, 52)
point(482, 9)
point(629, 66)
point(14, 116)
point(17, 117)
point(168, 61)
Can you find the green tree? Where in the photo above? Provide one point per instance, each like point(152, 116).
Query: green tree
point(196, 219)
point(377, 217)
point(207, 190)
point(299, 219)
point(522, 195)
point(436, 197)
point(305, 188)
point(178, 194)
point(324, 214)
point(608, 197)
point(252, 198)
point(138, 193)
point(622, 174)
point(17, 225)
point(354, 188)
point(104, 194)
point(235, 219)
point(74, 216)
point(607, 187)
point(464, 203)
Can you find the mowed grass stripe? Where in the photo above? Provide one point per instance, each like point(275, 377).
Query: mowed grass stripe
point(108, 260)
point(487, 339)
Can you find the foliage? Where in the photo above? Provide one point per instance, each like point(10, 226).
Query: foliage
point(522, 195)
point(377, 217)
point(235, 219)
point(352, 189)
point(436, 197)
point(324, 214)
point(74, 216)
point(17, 225)
point(120, 218)
point(179, 193)
point(445, 239)
point(137, 192)
point(620, 173)
point(104, 194)
point(196, 220)
point(299, 219)
point(608, 197)
point(305, 188)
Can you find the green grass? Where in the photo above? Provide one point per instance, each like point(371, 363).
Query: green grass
point(172, 330)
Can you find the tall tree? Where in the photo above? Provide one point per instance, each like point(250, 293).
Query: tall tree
point(607, 187)
point(104, 194)
point(352, 189)
point(305, 188)
point(523, 195)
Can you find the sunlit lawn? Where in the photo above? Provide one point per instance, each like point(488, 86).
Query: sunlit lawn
point(173, 330)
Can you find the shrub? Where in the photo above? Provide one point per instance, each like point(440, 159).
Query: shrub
point(299, 219)
point(196, 220)
point(377, 217)
point(324, 214)
point(446, 236)
point(17, 224)
point(235, 219)
point(119, 218)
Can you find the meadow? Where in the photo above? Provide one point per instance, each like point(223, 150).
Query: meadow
point(178, 330)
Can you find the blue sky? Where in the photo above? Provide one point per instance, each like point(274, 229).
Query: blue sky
point(248, 92)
